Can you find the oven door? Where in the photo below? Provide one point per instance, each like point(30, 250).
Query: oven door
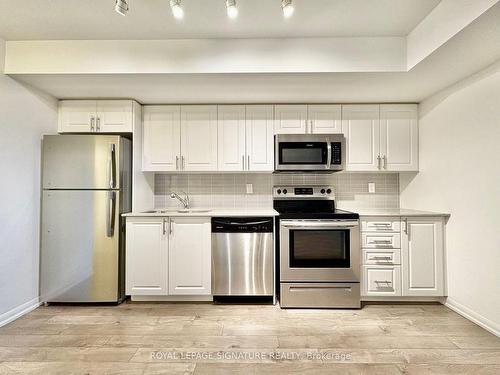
point(293, 155)
point(319, 250)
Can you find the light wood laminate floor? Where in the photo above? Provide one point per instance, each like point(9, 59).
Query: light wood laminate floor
point(146, 338)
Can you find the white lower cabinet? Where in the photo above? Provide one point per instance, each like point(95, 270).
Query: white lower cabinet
point(168, 256)
point(402, 257)
point(422, 257)
point(381, 280)
point(146, 256)
point(190, 256)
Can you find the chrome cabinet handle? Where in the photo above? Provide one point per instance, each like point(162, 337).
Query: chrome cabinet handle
point(381, 241)
point(248, 162)
point(98, 124)
point(164, 227)
point(385, 162)
point(379, 162)
point(92, 123)
point(381, 258)
point(243, 161)
point(177, 163)
point(182, 162)
point(170, 226)
point(112, 173)
point(382, 224)
point(110, 218)
point(406, 226)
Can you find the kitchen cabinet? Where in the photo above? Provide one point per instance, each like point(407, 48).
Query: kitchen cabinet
point(259, 126)
point(399, 137)
point(290, 119)
point(180, 138)
point(146, 256)
point(245, 138)
point(381, 137)
point(97, 116)
point(422, 257)
point(361, 127)
point(199, 138)
point(190, 256)
point(161, 138)
point(231, 137)
point(308, 119)
point(381, 281)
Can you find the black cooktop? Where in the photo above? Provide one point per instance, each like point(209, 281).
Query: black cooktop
point(310, 209)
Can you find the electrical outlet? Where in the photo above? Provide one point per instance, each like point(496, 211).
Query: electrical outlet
point(371, 187)
point(249, 188)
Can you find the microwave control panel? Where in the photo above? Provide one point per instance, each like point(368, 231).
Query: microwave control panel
point(336, 153)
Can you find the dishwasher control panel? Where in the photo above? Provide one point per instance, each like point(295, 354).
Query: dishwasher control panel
point(242, 224)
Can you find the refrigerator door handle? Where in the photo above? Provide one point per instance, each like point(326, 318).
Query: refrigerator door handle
point(112, 172)
point(110, 219)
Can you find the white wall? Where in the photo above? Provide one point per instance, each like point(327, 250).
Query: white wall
point(460, 174)
point(24, 116)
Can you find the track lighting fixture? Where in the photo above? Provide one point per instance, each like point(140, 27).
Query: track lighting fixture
point(121, 7)
point(232, 10)
point(287, 7)
point(177, 10)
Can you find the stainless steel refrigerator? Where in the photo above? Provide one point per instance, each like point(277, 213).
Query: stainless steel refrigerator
point(86, 185)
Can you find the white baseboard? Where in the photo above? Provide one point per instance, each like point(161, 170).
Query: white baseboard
point(473, 316)
point(19, 311)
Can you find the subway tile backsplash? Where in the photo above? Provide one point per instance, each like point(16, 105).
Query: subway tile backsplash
point(228, 190)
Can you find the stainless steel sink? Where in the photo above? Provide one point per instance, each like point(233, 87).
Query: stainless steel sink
point(193, 210)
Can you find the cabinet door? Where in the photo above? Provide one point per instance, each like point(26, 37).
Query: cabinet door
point(290, 119)
point(199, 137)
point(190, 256)
point(231, 137)
point(361, 127)
point(161, 138)
point(325, 118)
point(77, 116)
point(115, 116)
point(381, 281)
point(399, 137)
point(146, 256)
point(259, 138)
point(422, 257)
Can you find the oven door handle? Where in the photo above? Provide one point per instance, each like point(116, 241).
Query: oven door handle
point(305, 225)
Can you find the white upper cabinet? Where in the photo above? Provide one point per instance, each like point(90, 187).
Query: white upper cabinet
point(114, 116)
point(231, 137)
point(422, 257)
point(199, 138)
point(399, 137)
point(361, 127)
point(146, 256)
point(190, 257)
point(101, 116)
point(77, 116)
point(325, 118)
point(290, 119)
point(161, 138)
point(259, 138)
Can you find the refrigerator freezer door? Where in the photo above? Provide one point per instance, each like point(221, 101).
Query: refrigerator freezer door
point(80, 246)
point(81, 162)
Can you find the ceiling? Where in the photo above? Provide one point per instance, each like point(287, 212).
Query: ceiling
point(151, 19)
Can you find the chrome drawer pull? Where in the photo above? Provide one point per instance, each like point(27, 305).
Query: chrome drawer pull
point(381, 241)
point(381, 258)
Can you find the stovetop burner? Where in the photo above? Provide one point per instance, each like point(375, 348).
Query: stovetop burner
point(308, 202)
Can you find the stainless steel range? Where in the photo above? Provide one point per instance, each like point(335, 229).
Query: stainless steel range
point(319, 249)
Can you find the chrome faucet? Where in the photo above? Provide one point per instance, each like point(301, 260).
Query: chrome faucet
point(184, 201)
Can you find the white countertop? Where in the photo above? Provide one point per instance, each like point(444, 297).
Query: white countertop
point(396, 212)
point(213, 212)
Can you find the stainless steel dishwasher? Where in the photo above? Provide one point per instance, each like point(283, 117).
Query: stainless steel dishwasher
point(242, 256)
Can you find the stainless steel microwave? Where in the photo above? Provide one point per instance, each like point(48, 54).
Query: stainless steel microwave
point(309, 152)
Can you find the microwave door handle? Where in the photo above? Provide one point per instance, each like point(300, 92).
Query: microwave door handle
point(328, 155)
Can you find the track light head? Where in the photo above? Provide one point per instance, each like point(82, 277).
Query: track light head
point(177, 10)
point(121, 7)
point(287, 7)
point(232, 10)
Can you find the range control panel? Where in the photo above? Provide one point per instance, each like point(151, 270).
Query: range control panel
point(303, 192)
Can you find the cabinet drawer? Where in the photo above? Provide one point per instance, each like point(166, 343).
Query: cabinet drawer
point(381, 281)
point(381, 240)
point(381, 256)
point(381, 224)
